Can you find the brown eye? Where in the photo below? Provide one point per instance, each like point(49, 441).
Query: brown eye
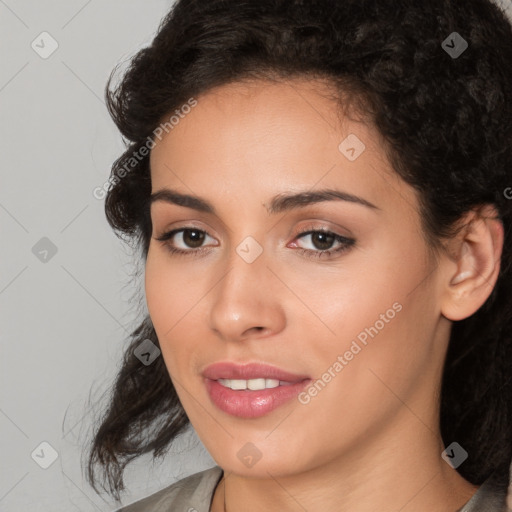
point(193, 237)
point(322, 241)
point(190, 242)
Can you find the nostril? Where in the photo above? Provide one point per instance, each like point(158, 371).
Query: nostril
point(258, 329)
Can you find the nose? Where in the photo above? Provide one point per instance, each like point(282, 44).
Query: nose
point(246, 301)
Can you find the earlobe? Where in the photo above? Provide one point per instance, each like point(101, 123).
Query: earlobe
point(474, 268)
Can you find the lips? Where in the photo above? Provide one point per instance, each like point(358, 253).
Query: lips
point(252, 390)
point(233, 371)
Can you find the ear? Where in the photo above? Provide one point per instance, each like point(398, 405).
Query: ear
point(472, 263)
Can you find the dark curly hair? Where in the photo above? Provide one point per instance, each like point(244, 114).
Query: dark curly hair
point(447, 125)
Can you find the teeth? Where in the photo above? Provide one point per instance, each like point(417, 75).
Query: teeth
point(252, 384)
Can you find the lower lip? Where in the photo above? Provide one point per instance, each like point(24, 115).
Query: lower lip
point(252, 404)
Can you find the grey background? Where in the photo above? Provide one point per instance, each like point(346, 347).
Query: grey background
point(64, 321)
point(64, 316)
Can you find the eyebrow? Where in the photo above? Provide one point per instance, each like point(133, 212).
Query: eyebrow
point(280, 203)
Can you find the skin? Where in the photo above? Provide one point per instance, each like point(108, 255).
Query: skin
point(370, 439)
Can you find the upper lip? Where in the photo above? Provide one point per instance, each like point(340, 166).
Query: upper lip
point(229, 370)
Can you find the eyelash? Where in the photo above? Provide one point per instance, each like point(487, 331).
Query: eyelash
point(313, 254)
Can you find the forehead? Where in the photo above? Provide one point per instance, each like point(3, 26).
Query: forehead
point(252, 119)
point(261, 137)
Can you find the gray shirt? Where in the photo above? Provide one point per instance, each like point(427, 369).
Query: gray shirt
point(195, 493)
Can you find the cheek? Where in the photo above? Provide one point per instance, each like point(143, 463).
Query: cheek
point(383, 315)
point(175, 296)
point(168, 300)
point(364, 296)
point(170, 292)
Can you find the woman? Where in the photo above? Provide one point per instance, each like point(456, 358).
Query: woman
point(321, 195)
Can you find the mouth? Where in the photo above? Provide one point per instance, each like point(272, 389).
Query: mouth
point(251, 390)
point(252, 384)
point(230, 371)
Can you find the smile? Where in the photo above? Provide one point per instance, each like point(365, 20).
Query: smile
point(253, 384)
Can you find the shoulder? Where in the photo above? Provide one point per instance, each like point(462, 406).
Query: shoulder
point(191, 494)
point(492, 494)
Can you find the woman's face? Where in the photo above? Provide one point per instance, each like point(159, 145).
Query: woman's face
point(359, 329)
